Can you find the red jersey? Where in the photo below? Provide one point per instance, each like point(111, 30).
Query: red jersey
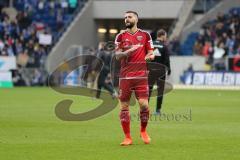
point(134, 66)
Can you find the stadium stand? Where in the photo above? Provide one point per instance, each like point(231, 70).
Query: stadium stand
point(222, 32)
point(218, 41)
point(31, 35)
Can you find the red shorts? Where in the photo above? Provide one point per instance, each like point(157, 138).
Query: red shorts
point(139, 86)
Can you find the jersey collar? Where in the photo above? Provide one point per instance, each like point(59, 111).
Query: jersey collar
point(132, 33)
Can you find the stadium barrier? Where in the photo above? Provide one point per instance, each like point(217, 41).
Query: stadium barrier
point(210, 80)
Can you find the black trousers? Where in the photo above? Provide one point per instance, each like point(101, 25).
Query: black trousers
point(153, 78)
point(102, 84)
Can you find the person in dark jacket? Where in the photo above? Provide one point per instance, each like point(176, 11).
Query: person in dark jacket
point(158, 76)
point(103, 82)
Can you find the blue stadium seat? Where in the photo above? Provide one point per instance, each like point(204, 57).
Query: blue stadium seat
point(187, 46)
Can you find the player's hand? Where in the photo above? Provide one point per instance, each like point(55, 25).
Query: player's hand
point(120, 55)
point(149, 57)
point(134, 47)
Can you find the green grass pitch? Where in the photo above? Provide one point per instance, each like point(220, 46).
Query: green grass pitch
point(29, 129)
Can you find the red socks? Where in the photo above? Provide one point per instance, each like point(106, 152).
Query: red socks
point(125, 122)
point(144, 116)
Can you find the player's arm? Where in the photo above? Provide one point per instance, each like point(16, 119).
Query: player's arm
point(149, 48)
point(123, 54)
point(150, 55)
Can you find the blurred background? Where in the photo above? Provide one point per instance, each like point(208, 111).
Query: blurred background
point(36, 36)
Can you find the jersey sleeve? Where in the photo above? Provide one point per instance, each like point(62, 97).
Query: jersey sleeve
point(117, 42)
point(149, 42)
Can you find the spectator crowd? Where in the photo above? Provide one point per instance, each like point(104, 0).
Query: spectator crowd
point(219, 39)
point(30, 35)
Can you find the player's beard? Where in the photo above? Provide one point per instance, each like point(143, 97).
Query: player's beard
point(130, 25)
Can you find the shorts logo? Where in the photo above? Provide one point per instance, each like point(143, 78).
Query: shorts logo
point(139, 38)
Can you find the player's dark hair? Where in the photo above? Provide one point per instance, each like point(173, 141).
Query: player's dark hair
point(132, 12)
point(161, 32)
